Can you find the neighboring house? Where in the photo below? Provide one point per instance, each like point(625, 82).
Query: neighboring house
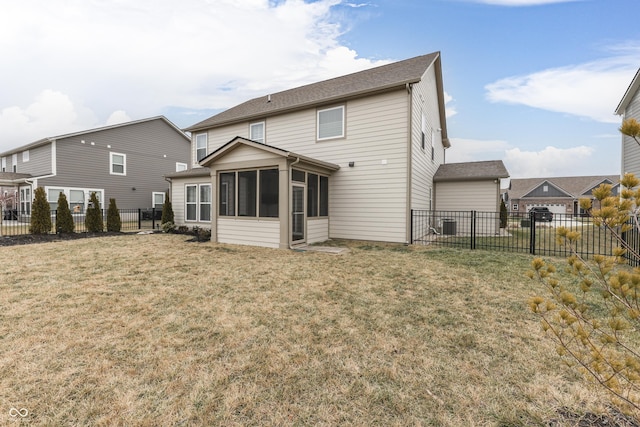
point(126, 162)
point(561, 195)
point(629, 108)
point(348, 157)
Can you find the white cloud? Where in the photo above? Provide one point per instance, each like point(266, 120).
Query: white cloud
point(591, 90)
point(550, 161)
point(142, 57)
point(450, 109)
point(118, 117)
point(51, 110)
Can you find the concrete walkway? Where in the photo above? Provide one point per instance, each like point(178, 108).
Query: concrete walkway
point(325, 249)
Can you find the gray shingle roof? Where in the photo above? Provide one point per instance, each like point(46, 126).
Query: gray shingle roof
point(327, 91)
point(574, 185)
point(471, 171)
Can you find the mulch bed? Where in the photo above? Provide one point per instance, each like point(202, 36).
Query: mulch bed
point(26, 239)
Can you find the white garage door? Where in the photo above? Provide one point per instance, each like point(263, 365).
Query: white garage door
point(555, 208)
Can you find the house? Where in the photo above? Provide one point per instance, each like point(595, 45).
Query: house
point(125, 162)
point(348, 157)
point(629, 108)
point(561, 194)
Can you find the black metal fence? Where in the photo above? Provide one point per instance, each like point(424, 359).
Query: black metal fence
point(523, 233)
point(14, 223)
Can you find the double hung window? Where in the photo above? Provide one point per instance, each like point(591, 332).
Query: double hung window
point(198, 202)
point(331, 123)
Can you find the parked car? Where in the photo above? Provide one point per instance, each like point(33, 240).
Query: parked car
point(541, 214)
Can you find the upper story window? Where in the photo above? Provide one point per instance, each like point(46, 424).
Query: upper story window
point(117, 164)
point(201, 146)
point(14, 162)
point(331, 123)
point(4, 164)
point(545, 188)
point(256, 132)
point(25, 156)
point(181, 167)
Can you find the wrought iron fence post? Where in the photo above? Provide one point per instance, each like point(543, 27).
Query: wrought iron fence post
point(411, 228)
point(139, 219)
point(473, 229)
point(532, 233)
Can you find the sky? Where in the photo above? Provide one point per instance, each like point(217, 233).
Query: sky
point(533, 83)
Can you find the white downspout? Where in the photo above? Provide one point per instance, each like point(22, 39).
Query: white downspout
point(289, 220)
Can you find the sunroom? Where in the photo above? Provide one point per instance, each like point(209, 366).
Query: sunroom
point(266, 196)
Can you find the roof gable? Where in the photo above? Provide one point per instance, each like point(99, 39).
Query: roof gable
point(378, 79)
point(547, 189)
point(239, 143)
point(629, 94)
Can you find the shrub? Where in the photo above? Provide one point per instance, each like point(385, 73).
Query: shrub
point(40, 213)
point(93, 219)
point(596, 323)
point(64, 219)
point(114, 223)
point(168, 227)
point(202, 234)
point(167, 211)
point(503, 214)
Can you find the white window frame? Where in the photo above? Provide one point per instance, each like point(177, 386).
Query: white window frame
point(262, 139)
point(515, 206)
point(545, 188)
point(4, 164)
point(181, 166)
point(198, 139)
point(111, 164)
point(198, 203)
point(153, 198)
point(318, 120)
point(25, 156)
point(14, 162)
point(87, 195)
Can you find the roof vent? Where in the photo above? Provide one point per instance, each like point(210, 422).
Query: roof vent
point(269, 98)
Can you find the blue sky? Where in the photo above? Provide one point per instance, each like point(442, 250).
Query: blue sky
point(531, 82)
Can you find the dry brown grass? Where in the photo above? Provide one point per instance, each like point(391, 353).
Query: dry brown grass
point(152, 330)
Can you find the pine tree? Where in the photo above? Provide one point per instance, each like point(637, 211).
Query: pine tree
point(113, 217)
point(40, 213)
point(167, 210)
point(64, 219)
point(93, 220)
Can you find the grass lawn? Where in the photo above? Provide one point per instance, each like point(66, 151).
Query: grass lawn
point(153, 330)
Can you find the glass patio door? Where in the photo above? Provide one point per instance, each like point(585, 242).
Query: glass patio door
point(297, 214)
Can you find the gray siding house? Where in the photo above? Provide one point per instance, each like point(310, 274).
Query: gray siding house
point(348, 157)
point(560, 194)
point(126, 162)
point(628, 108)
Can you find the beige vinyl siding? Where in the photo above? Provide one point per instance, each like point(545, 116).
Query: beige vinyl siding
point(425, 101)
point(317, 230)
point(217, 138)
point(367, 201)
point(264, 233)
point(246, 154)
point(479, 196)
point(178, 188)
point(630, 148)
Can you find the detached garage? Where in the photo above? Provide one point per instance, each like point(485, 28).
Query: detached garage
point(472, 186)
